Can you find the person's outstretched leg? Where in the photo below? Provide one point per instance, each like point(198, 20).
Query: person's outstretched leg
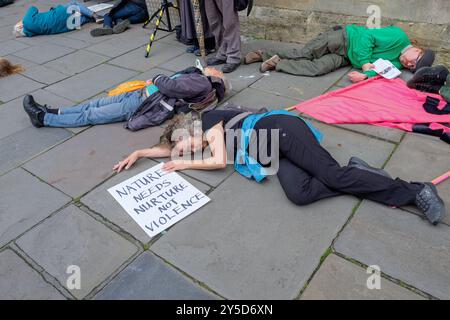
point(312, 68)
point(300, 187)
point(96, 103)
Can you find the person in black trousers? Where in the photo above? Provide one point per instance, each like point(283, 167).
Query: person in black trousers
point(307, 172)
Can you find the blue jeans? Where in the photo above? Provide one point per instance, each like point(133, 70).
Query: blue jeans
point(86, 14)
point(130, 11)
point(99, 111)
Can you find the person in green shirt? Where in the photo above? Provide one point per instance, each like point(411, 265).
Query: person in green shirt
point(340, 47)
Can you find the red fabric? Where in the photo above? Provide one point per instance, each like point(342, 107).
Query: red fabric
point(377, 101)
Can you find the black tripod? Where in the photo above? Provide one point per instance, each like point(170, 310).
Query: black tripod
point(164, 8)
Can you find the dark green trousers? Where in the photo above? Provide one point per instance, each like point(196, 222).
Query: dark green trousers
point(322, 55)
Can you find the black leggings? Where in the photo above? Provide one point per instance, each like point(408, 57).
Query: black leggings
point(309, 173)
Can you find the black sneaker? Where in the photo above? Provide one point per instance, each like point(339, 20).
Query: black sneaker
point(213, 61)
point(35, 113)
point(429, 202)
point(98, 32)
point(230, 67)
point(356, 162)
point(429, 75)
point(121, 26)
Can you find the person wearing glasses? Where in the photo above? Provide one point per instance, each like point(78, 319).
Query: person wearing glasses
point(352, 45)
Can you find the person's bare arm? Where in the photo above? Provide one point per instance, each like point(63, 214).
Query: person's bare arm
point(159, 151)
point(218, 159)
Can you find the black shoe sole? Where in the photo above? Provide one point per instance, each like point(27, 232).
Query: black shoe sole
point(101, 32)
point(121, 27)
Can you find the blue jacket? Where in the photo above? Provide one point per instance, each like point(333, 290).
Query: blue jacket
point(249, 167)
point(50, 22)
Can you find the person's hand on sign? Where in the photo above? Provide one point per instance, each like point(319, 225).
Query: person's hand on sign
point(368, 67)
point(175, 165)
point(127, 163)
point(356, 76)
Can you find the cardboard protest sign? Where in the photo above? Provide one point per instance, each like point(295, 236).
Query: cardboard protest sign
point(156, 199)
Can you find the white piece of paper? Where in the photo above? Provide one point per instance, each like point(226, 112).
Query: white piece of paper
point(157, 200)
point(386, 69)
point(100, 7)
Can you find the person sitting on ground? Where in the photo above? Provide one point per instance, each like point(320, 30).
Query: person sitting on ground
point(7, 68)
point(61, 19)
point(120, 17)
point(306, 171)
point(340, 47)
point(141, 108)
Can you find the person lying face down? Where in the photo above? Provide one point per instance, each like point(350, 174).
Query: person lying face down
point(352, 45)
point(152, 105)
point(306, 171)
point(61, 19)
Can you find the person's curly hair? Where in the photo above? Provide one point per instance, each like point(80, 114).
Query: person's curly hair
point(178, 122)
point(7, 68)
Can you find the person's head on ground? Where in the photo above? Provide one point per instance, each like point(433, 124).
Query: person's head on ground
point(223, 87)
point(414, 58)
point(183, 133)
point(7, 68)
point(18, 30)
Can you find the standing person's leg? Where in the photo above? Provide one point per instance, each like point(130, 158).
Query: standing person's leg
point(110, 113)
point(300, 187)
point(231, 32)
point(298, 144)
point(215, 23)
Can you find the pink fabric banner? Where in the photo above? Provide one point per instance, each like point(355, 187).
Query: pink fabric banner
point(377, 101)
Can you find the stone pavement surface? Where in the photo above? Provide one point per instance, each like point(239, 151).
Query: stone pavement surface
point(249, 242)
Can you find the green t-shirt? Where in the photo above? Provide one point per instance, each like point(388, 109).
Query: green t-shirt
point(368, 45)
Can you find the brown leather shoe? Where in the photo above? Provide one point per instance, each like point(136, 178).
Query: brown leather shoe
point(270, 64)
point(252, 57)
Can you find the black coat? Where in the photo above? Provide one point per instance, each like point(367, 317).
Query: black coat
point(120, 4)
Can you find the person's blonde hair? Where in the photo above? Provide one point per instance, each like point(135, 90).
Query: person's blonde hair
point(7, 68)
point(179, 121)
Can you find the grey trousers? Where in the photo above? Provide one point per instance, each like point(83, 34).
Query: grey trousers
point(322, 55)
point(224, 24)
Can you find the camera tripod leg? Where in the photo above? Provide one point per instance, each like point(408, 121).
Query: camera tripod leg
point(153, 35)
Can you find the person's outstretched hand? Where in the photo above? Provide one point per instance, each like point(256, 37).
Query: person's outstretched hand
point(127, 163)
point(175, 165)
point(356, 76)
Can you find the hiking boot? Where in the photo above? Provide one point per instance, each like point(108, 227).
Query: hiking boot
point(121, 26)
point(35, 113)
point(230, 67)
point(356, 162)
point(425, 87)
point(98, 32)
point(213, 61)
point(429, 75)
point(445, 93)
point(252, 57)
point(270, 64)
point(429, 202)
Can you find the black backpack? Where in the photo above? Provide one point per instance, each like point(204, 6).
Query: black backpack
point(240, 5)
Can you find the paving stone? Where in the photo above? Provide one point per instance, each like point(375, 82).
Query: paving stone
point(100, 201)
point(297, 87)
point(344, 144)
point(17, 215)
point(136, 60)
point(71, 237)
point(246, 241)
point(181, 62)
point(19, 282)
point(394, 135)
point(403, 245)
point(11, 46)
point(16, 85)
point(76, 62)
point(244, 76)
point(68, 42)
point(114, 48)
point(89, 83)
point(87, 159)
point(149, 278)
point(25, 144)
point(16, 60)
point(85, 35)
point(338, 279)
point(254, 98)
point(431, 160)
point(18, 119)
point(44, 75)
point(43, 53)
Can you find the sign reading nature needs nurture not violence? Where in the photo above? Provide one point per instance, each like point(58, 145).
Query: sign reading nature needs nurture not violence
point(156, 199)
